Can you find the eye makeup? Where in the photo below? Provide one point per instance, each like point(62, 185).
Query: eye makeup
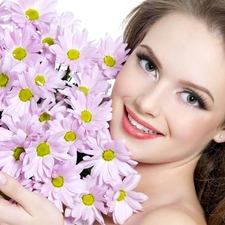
point(201, 100)
point(146, 63)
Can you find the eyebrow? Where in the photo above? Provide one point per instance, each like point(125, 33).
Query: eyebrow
point(152, 55)
point(198, 87)
point(183, 82)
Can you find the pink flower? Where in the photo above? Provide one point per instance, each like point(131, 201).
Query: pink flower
point(30, 184)
point(90, 114)
point(46, 79)
point(42, 156)
point(91, 81)
point(109, 158)
point(13, 146)
point(123, 202)
point(68, 133)
point(89, 203)
point(66, 20)
point(9, 71)
point(63, 184)
point(48, 34)
point(17, 134)
point(111, 55)
point(12, 153)
point(22, 47)
point(55, 113)
point(47, 110)
point(4, 13)
point(69, 221)
point(32, 12)
point(73, 50)
point(27, 124)
point(21, 98)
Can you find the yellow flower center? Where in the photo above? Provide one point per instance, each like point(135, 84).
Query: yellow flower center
point(108, 155)
point(58, 182)
point(84, 89)
point(70, 136)
point(25, 95)
point(39, 80)
point(4, 79)
point(109, 61)
point(73, 54)
point(32, 14)
point(88, 199)
point(43, 149)
point(44, 117)
point(19, 53)
point(86, 116)
point(48, 40)
point(17, 152)
point(122, 196)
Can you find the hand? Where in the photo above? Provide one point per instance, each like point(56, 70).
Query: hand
point(31, 208)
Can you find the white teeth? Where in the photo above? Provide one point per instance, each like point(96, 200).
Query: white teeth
point(145, 129)
point(139, 126)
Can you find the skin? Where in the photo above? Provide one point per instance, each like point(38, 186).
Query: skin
point(32, 208)
point(187, 51)
point(162, 98)
point(161, 102)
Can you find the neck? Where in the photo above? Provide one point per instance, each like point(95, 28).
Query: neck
point(165, 177)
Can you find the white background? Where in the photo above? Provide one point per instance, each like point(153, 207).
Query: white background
point(99, 16)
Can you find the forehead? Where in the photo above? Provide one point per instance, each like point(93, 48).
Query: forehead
point(186, 48)
point(183, 32)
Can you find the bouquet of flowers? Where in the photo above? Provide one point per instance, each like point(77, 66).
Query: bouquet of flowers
point(55, 109)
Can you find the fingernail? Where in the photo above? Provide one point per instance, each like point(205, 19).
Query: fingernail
point(2, 179)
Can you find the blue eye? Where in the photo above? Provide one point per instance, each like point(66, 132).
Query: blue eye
point(192, 99)
point(149, 67)
point(147, 64)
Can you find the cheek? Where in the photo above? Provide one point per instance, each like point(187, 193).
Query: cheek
point(121, 86)
point(194, 131)
point(128, 83)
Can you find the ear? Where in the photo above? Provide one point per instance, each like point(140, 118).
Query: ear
point(220, 136)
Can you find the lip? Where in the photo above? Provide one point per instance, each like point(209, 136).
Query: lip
point(133, 131)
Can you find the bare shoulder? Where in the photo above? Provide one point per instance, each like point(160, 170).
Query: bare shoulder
point(172, 215)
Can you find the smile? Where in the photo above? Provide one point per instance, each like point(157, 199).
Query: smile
point(138, 128)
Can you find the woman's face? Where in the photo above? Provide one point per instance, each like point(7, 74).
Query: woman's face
point(169, 98)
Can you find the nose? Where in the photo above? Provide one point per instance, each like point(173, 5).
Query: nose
point(152, 99)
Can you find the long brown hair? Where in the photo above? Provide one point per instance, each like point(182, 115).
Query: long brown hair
point(209, 174)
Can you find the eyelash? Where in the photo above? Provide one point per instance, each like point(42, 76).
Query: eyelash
point(200, 98)
point(143, 56)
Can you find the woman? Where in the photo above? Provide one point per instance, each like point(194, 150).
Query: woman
point(168, 103)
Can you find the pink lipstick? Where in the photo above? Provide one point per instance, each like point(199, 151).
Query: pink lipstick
point(138, 128)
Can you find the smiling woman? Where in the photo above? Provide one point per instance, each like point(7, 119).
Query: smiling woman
point(168, 104)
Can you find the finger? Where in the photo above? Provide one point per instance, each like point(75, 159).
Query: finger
point(33, 208)
point(19, 216)
point(13, 189)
